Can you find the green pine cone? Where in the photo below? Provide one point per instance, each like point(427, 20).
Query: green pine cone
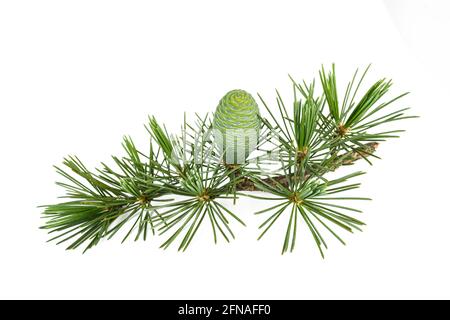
point(237, 126)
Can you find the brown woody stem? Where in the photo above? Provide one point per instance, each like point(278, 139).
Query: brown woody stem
point(345, 159)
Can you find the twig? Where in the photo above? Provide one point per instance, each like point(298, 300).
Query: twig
point(343, 160)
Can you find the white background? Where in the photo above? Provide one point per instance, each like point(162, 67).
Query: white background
point(75, 76)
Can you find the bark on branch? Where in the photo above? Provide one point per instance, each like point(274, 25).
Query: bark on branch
point(345, 159)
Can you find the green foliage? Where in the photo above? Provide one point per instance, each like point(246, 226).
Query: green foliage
point(183, 182)
point(98, 200)
point(308, 199)
point(351, 121)
point(330, 90)
point(201, 188)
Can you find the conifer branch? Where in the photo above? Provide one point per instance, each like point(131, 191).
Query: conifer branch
point(182, 182)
